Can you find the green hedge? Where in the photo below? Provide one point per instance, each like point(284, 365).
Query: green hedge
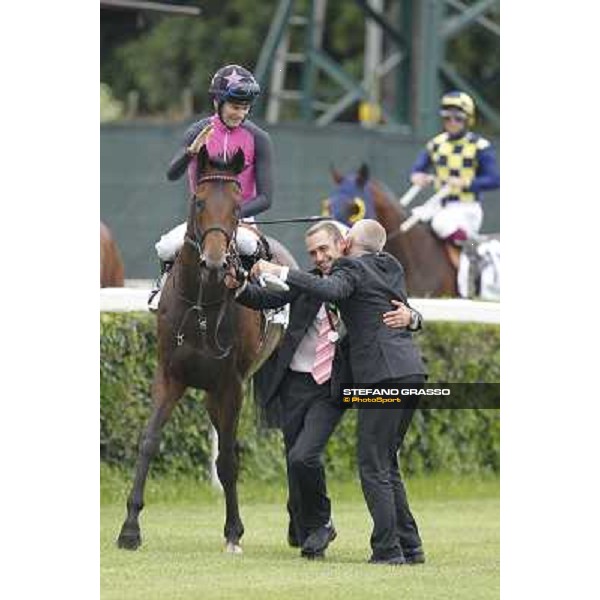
point(460, 441)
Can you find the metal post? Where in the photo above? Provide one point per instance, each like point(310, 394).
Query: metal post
point(308, 70)
point(270, 45)
point(133, 104)
point(481, 20)
point(428, 56)
point(372, 58)
point(455, 24)
point(403, 82)
point(187, 102)
point(277, 80)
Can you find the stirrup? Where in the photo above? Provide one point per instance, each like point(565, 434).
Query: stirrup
point(153, 300)
point(155, 292)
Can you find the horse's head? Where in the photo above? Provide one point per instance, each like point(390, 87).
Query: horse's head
point(352, 199)
point(215, 208)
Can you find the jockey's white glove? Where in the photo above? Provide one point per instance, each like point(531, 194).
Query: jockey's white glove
point(421, 179)
point(422, 213)
point(200, 140)
point(273, 283)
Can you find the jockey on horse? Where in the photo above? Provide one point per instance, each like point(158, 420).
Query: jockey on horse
point(233, 90)
point(465, 163)
point(463, 160)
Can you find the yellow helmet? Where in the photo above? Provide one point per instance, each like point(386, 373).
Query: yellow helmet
point(462, 102)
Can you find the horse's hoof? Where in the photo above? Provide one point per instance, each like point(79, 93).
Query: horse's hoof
point(129, 540)
point(232, 548)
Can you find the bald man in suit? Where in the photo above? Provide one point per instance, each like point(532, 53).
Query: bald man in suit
point(362, 284)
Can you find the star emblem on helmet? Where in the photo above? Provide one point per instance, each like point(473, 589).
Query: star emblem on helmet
point(233, 78)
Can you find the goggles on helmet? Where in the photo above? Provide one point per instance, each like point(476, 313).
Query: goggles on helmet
point(455, 115)
point(242, 92)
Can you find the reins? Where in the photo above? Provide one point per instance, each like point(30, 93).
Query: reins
point(231, 260)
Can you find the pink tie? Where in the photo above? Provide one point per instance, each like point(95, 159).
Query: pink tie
point(321, 370)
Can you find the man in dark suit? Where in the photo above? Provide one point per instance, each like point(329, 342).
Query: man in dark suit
point(363, 284)
point(305, 388)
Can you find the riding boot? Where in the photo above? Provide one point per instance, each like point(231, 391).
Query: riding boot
point(154, 298)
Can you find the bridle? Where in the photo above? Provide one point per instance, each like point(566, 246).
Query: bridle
point(232, 259)
point(199, 204)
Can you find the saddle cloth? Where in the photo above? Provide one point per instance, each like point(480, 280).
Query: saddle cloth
point(479, 269)
point(274, 325)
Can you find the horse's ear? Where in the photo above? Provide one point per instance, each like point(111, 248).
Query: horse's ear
point(337, 176)
point(363, 175)
point(237, 164)
point(203, 160)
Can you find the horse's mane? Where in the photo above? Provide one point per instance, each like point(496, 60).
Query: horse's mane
point(220, 164)
point(388, 196)
point(386, 189)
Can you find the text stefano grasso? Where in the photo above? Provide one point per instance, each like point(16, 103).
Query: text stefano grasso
point(396, 391)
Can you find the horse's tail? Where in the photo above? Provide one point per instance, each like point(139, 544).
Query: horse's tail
point(112, 270)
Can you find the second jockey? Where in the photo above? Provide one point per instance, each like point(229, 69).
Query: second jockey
point(465, 161)
point(232, 90)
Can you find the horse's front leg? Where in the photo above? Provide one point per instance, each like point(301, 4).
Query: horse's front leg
point(224, 409)
point(165, 394)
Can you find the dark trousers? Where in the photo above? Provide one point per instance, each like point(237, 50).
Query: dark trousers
point(309, 417)
point(380, 435)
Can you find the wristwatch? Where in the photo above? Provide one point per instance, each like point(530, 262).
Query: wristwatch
point(415, 321)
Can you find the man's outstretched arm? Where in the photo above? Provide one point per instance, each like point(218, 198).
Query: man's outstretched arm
point(338, 285)
point(254, 296)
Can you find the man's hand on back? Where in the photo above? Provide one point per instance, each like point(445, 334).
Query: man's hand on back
point(400, 317)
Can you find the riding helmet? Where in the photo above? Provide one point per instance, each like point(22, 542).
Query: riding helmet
point(460, 101)
point(233, 83)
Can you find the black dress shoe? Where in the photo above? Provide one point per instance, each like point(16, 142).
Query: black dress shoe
point(415, 556)
point(390, 560)
point(316, 543)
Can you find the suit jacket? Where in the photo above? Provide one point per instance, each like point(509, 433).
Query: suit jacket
point(303, 311)
point(362, 287)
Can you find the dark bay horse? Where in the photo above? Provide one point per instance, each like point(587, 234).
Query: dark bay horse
point(111, 264)
point(428, 262)
point(205, 339)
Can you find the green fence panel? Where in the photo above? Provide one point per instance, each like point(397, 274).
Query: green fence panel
point(138, 202)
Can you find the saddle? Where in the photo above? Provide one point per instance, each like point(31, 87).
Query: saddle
point(274, 321)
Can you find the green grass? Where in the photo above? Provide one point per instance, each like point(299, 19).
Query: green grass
point(181, 556)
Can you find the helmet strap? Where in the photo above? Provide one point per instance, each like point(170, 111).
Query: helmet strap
point(220, 113)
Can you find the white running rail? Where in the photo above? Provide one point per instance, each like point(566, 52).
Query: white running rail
point(432, 309)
